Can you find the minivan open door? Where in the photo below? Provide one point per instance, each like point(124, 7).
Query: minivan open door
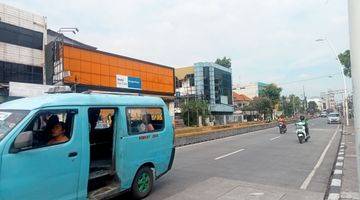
point(35, 167)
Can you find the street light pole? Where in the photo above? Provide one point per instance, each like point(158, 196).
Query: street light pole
point(58, 46)
point(345, 102)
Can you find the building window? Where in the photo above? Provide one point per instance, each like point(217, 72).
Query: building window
point(20, 36)
point(206, 74)
point(144, 120)
point(20, 73)
point(223, 86)
point(178, 83)
point(191, 80)
point(51, 127)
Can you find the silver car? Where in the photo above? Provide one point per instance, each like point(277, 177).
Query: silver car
point(333, 118)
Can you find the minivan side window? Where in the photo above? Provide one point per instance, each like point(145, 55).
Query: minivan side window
point(51, 127)
point(144, 120)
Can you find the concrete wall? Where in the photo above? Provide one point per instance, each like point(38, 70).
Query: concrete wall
point(17, 89)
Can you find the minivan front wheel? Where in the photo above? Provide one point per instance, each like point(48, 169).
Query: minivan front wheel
point(143, 183)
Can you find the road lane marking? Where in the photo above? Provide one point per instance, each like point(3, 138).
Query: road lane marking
point(275, 138)
point(309, 177)
point(229, 154)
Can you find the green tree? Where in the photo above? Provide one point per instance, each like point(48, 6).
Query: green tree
point(272, 92)
point(346, 62)
point(225, 62)
point(290, 105)
point(192, 109)
point(262, 105)
point(312, 107)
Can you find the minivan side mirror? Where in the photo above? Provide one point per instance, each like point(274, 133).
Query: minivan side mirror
point(23, 141)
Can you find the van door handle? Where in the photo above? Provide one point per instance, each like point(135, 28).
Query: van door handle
point(73, 154)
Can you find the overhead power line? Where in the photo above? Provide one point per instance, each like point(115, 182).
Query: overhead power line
point(310, 79)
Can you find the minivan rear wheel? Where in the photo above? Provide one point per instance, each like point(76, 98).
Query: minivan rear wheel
point(142, 183)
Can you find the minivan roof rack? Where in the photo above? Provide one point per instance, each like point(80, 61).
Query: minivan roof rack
point(109, 92)
point(59, 89)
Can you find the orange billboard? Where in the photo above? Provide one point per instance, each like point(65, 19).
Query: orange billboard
point(97, 68)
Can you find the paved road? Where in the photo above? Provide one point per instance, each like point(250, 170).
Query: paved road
point(258, 165)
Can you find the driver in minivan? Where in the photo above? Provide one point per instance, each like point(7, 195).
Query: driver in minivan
point(58, 134)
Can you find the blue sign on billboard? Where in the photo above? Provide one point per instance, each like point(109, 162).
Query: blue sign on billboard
point(134, 83)
point(128, 82)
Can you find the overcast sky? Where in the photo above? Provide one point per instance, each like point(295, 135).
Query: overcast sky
point(267, 40)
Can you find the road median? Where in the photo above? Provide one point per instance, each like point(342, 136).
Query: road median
point(196, 135)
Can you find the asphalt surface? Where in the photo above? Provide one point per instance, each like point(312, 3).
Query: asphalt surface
point(257, 165)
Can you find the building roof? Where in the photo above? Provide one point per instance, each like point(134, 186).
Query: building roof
point(180, 73)
point(240, 97)
point(53, 34)
point(214, 65)
point(77, 99)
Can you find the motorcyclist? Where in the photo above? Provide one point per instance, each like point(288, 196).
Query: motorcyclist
point(282, 120)
point(303, 119)
point(282, 123)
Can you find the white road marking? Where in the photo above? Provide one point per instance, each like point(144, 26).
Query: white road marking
point(229, 154)
point(338, 171)
point(275, 138)
point(257, 194)
point(220, 139)
point(339, 164)
point(336, 182)
point(334, 196)
point(306, 183)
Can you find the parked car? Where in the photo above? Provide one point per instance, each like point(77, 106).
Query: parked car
point(333, 118)
point(88, 160)
point(323, 114)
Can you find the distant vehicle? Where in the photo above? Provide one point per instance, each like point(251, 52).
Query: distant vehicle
point(282, 127)
point(333, 118)
point(301, 133)
point(60, 144)
point(323, 114)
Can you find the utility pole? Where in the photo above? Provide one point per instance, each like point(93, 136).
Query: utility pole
point(305, 101)
point(345, 103)
point(354, 26)
point(293, 102)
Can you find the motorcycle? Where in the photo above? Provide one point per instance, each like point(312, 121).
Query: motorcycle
point(301, 133)
point(282, 127)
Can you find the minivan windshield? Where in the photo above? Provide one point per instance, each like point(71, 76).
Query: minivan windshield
point(334, 115)
point(9, 119)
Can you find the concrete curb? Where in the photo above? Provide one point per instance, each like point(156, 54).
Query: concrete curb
point(334, 188)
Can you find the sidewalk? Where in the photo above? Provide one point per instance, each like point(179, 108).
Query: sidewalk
point(344, 183)
point(350, 186)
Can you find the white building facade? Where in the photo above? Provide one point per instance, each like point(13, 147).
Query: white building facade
point(22, 47)
point(251, 90)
